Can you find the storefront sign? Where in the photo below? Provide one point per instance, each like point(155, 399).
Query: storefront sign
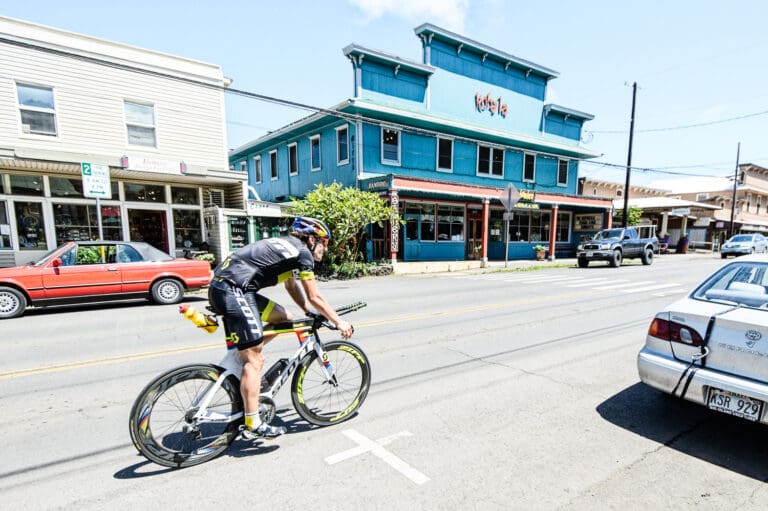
point(526, 205)
point(591, 222)
point(681, 211)
point(494, 106)
point(377, 185)
point(263, 209)
point(155, 165)
point(95, 180)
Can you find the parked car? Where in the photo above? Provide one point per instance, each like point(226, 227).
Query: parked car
point(742, 244)
point(87, 271)
point(711, 347)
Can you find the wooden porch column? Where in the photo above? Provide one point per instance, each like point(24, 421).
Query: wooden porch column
point(484, 250)
point(553, 233)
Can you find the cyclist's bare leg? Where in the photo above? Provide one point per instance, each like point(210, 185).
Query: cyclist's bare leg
point(278, 314)
point(250, 381)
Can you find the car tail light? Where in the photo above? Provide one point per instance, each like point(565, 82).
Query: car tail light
point(674, 332)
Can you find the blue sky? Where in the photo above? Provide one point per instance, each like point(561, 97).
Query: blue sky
point(695, 62)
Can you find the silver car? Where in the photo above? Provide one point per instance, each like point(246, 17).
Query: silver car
point(711, 347)
point(743, 244)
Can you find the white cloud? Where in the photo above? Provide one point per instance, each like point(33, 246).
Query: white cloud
point(449, 14)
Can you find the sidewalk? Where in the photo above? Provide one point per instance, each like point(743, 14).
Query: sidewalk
point(409, 268)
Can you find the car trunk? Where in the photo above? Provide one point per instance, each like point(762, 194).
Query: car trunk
point(738, 343)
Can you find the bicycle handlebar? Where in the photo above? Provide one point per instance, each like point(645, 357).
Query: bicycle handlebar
point(346, 309)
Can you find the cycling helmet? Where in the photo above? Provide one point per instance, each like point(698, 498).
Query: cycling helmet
point(311, 227)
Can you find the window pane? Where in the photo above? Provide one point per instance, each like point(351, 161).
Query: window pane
point(390, 145)
point(498, 162)
point(34, 96)
point(30, 226)
point(530, 167)
point(273, 164)
point(139, 114)
point(65, 187)
point(315, 153)
point(42, 123)
point(445, 151)
point(144, 193)
point(519, 226)
point(562, 172)
point(450, 223)
point(483, 160)
point(186, 228)
point(27, 185)
point(427, 227)
point(5, 227)
point(342, 143)
point(138, 135)
point(257, 169)
point(184, 195)
point(293, 164)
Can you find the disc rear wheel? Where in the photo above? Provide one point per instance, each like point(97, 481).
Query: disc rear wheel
point(324, 402)
point(162, 423)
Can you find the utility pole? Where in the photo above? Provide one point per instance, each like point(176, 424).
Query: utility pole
point(629, 156)
point(733, 199)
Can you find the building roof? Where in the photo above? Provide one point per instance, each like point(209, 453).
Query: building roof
point(646, 203)
point(568, 112)
point(391, 60)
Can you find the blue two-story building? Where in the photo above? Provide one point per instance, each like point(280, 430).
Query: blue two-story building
point(442, 140)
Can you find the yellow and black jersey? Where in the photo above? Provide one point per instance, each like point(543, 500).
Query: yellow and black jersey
point(266, 263)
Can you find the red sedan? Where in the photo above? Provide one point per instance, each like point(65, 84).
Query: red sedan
point(88, 271)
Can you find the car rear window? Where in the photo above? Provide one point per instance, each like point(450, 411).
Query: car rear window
point(739, 283)
point(150, 253)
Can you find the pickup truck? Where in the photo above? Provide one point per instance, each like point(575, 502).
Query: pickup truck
point(615, 245)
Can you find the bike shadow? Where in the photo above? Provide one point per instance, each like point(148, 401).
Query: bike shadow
point(729, 442)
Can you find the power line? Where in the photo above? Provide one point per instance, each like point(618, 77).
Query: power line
point(683, 127)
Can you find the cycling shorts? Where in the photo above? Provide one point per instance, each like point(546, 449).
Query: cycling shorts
point(243, 313)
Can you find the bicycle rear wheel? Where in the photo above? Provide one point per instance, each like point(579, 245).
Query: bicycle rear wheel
point(322, 402)
point(161, 421)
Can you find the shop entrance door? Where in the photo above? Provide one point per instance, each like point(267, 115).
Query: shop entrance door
point(150, 226)
point(411, 243)
point(474, 235)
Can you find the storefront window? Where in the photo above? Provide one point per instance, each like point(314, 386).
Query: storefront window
point(563, 227)
point(186, 228)
point(450, 223)
point(496, 222)
point(65, 187)
point(5, 227)
point(519, 226)
point(144, 193)
point(540, 224)
point(75, 222)
point(27, 185)
point(30, 225)
point(185, 195)
point(2, 183)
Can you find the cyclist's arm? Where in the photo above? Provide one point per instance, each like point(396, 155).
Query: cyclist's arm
point(323, 307)
point(295, 292)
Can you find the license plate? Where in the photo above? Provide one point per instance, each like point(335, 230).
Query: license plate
point(589, 254)
point(734, 404)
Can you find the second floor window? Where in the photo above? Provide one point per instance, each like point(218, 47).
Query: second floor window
point(38, 112)
point(293, 160)
point(314, 152)
point(342, 145)
point(257, 169)
point(490, 161)
point(390, 146)
point(444, 154)
point(273, 164)
point(529, 167)
point(562, 172)
point(140, 123)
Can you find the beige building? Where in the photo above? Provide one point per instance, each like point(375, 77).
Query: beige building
point(152, 124)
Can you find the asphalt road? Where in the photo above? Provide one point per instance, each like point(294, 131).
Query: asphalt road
point(507, 390)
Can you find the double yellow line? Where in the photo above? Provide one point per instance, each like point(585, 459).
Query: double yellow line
point(34, 371)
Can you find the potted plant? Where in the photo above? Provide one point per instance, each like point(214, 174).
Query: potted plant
point(540, 251)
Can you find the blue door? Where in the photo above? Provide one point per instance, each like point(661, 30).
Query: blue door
point(411, 242)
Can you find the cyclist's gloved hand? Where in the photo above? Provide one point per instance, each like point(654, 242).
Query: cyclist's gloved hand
point(345, 329)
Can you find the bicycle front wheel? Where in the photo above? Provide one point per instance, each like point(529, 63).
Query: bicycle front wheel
point(322, 402)
point(163, 425)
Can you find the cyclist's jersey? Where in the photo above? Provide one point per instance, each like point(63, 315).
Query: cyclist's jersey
point(267, 262)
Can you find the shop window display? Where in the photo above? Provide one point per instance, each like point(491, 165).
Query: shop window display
point(5, 227)
point(26, 185)
point(75, 222)
point(138, 192)
point(181, 195)
point(450, 223)
point(30, 225)
point(186, 228)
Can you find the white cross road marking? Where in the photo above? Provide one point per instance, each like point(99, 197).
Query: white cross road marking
point(586, 283)
point(376, 448)
point(648, 288)
point(630, 284)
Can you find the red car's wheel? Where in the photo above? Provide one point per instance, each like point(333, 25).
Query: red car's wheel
point(167, 291)
point(12, 302)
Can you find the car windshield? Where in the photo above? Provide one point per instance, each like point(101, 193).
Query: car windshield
point(610, 233)
point(739, 283)
point(47, 257)
point(741, 238)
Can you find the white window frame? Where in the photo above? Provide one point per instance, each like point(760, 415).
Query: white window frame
point(273, 165)
point(20, 107)
point(491, 150)
point(138, 125)
point(339, 161)
point(257, 169)
point(567, 163)
point(244, 167)
point(531, 179)
point(437, 155)
point(312, 166)
point(293, 147)
point(399, 146)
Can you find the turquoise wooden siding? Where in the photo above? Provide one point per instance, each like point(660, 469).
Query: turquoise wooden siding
point(557, 124)
point(406, 85)
point(470, 64)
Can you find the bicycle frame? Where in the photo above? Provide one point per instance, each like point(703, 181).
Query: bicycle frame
point(232, 364)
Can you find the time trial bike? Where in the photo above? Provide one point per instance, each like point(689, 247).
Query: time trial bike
point(191, 414)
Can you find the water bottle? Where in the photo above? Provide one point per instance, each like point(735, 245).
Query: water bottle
point(207, 323)
point(272, 373)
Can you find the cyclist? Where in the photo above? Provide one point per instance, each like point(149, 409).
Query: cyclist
point(233, 293)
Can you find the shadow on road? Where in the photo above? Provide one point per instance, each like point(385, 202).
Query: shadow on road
point(99, 306)
point(729, 442)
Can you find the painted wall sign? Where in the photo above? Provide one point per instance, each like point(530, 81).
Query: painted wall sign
point(376, 185)
point(494, 106)
point(588, 222)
